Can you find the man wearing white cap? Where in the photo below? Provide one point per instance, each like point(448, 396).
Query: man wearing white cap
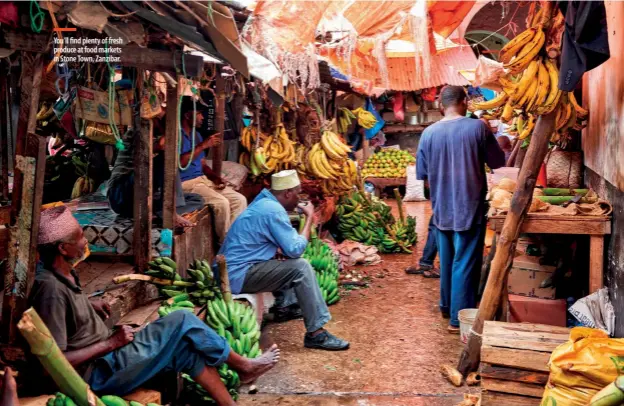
point(116, 363)
point(250, 248)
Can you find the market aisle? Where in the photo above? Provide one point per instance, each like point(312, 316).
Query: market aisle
point(398, 340)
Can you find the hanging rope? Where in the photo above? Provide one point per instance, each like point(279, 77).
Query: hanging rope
point(36, 16)
point(194, 91)
point(111, 104)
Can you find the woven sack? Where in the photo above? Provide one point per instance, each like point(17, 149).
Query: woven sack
point(564, 169)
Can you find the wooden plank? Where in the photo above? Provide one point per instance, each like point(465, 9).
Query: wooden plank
point(130, 55)
point(26, 199)
point(218, 151)
point(513, 374)
point(516, 388)
point(524, 359)
point(527, 336)
point(596, 263)
point(505, 399)
point(171, 156)
point(143, 191)
point(559, 225)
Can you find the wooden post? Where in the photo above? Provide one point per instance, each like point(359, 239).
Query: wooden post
point(224, 278)
point(596, 262)
point(365, 148)
point(26, 203)
point(171, 155)
point(218, 151)
point(506, 244)
point(4, 134)
point(143, 189)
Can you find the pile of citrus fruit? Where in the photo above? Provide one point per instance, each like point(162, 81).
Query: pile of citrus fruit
point(388, 163)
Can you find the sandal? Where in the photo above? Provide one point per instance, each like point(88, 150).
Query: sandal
point(452, 329)
point(431, 274)
point(412, 270)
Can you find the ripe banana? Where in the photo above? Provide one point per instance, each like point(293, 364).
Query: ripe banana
point(580, 111)
point(498, 101)
point(516, 44)
point(528, 78)
point(528, 53)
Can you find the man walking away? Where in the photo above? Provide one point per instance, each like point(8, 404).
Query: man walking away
point(452, 155)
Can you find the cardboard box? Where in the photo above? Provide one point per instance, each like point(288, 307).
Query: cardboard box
point(526, 275)
point(93, 105)
point(524, 309)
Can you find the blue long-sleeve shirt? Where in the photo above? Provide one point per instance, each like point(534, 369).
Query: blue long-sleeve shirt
point(451, 157)
point(256, 235)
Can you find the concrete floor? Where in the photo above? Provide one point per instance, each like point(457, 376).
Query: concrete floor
point(398, 341)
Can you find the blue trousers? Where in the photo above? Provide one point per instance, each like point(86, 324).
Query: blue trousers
point(431, 247)
point(179, 342)
point(461, 255)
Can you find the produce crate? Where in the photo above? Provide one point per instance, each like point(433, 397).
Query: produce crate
point(514, 359)
point(381, 183)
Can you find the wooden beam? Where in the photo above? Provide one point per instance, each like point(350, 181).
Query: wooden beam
point(512, 387)
point(218, 151)
point(513, 374)
point(506, 245)
point(143, 190)
point(500, 399)
point(130, 55)
point(552, 224)
point(171, 155)
point(26, 200)
point(596, 263)
point(4, 136)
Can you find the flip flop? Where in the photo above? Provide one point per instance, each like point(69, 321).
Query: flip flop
point(412, 270)
point(431, 274)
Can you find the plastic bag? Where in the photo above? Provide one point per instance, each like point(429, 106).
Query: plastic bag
point(584, 365)
point(414, 188)
point(371, 132)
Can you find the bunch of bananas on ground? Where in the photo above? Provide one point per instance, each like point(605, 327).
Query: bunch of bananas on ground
point(237, 323)
point(531, 87)
point(194, 394)
point(372, 223)
point(365, 118)
point(325, 266)
point(275, 153)
point(329, 161)
point(60, 399)
point(345, 118)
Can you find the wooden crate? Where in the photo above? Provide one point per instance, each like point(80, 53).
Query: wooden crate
point(514, 359)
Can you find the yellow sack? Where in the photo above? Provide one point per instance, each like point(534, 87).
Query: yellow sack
point(584, 365)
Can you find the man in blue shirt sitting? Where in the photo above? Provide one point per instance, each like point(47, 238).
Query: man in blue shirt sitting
point(198, 177)
point(250, 248)
point(452, 155)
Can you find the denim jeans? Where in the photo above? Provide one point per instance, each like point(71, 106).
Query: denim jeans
point(294, 281)
point(461, 255)
point(431, 248)
point(179, 342)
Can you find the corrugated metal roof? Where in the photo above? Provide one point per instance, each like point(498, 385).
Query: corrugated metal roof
point(445, 67)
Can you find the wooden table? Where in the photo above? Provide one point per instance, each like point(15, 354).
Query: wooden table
point(381, 183)
point(594, 226)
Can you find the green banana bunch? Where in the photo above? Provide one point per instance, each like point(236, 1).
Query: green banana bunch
point(194, 394)
point(237, 323)
point(179, 302)
point(60, 399)
point(325, 264)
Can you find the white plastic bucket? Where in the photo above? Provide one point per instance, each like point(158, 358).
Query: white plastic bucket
point(466, 318)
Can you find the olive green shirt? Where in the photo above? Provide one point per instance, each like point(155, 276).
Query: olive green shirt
point(66, 311)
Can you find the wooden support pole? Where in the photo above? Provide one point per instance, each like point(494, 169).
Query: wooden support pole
point(219, 150)
point(506, 244)
point(171, 155)
point(26, 203)
point(143, 189)
point(224, 278)
point(4, 134)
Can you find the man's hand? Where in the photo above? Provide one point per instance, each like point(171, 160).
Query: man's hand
point(102, 308)
point(124, 335)
point(307, 209)
point(213, 141)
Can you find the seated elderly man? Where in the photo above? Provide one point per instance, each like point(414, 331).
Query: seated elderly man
point(119, 362)
point(250, 248)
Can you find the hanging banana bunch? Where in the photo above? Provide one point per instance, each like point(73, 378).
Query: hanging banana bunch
point(531, 87)
point(365, 118)
point(345, 118)
point(329, 161)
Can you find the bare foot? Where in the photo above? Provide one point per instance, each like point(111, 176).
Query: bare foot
point(259, 366)
point(182, 222)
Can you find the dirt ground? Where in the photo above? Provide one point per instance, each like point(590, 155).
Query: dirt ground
point(398, 340)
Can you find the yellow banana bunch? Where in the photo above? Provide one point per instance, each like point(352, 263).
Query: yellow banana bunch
point(333, 146)
point(365, 118)
point(345, 118)
point(83, 186)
